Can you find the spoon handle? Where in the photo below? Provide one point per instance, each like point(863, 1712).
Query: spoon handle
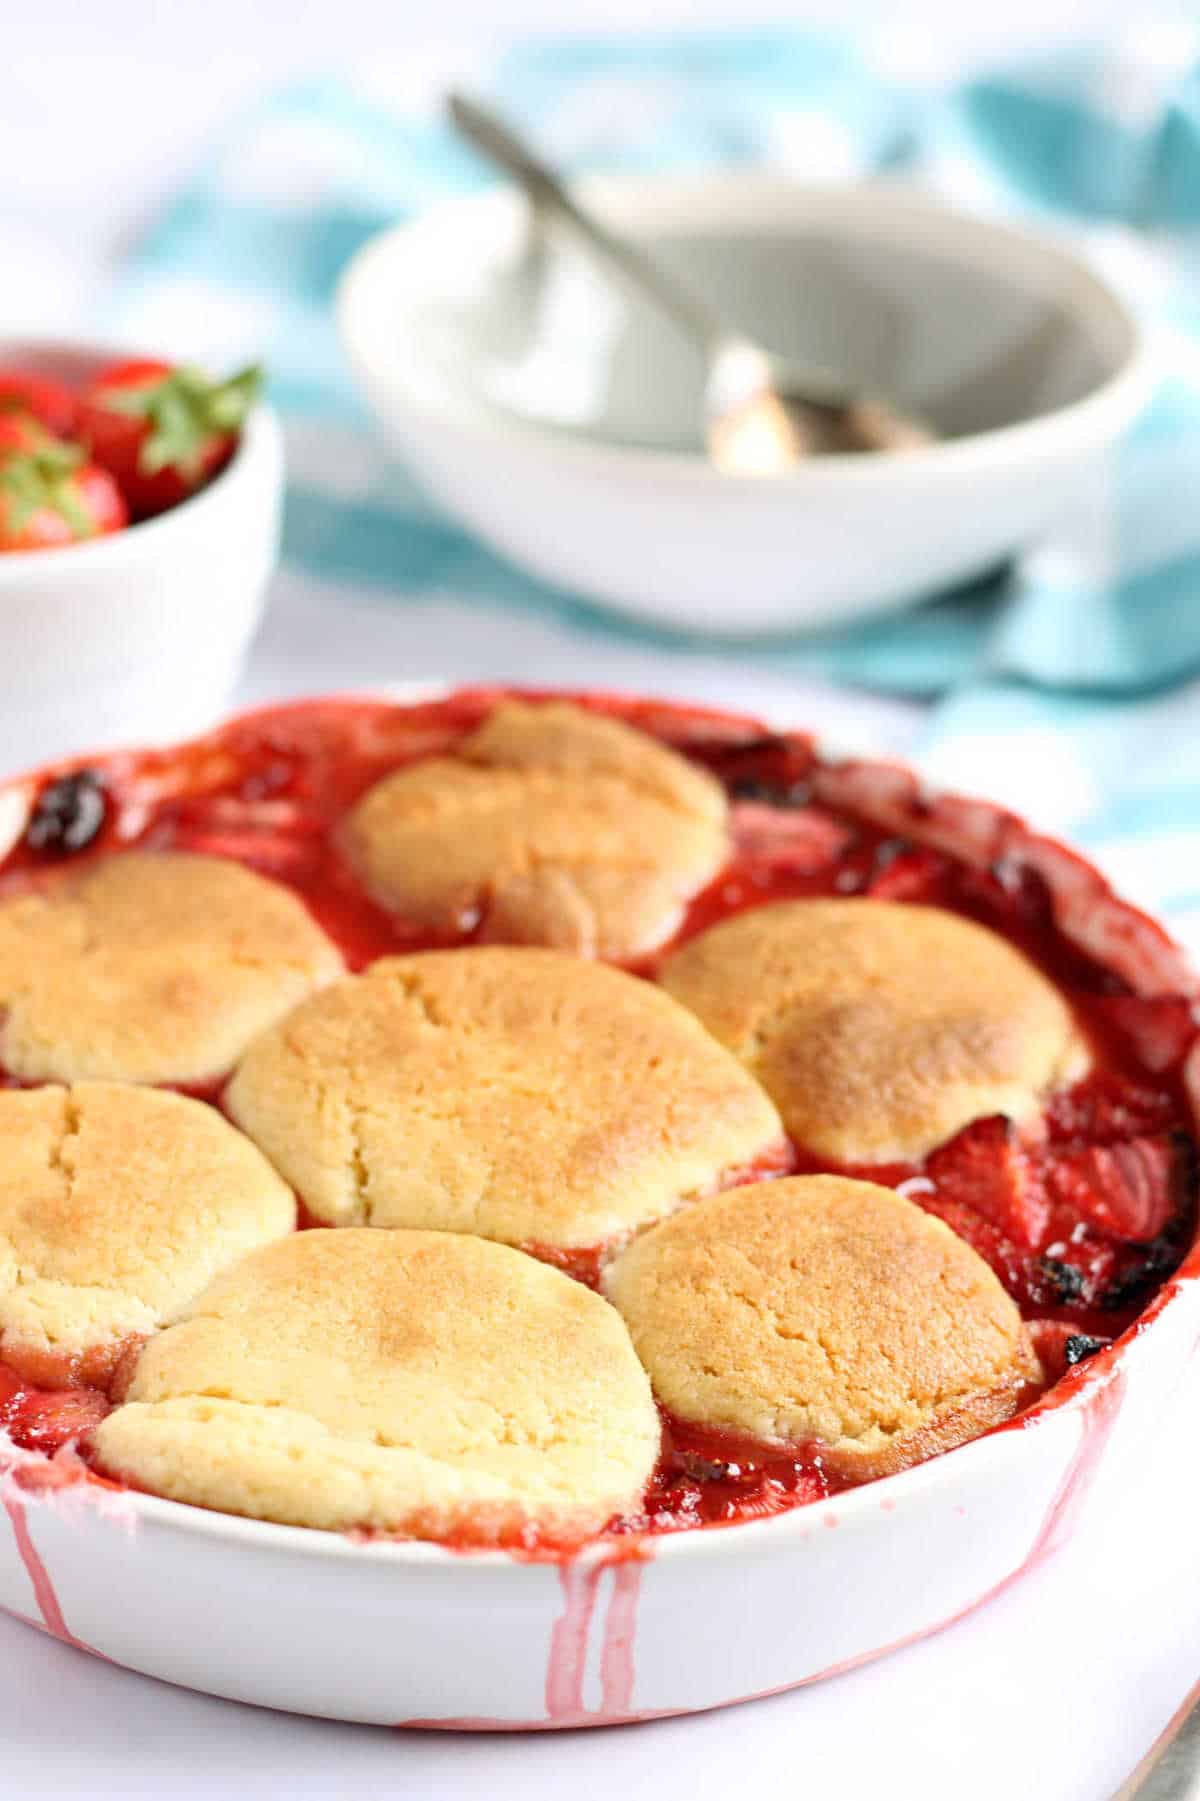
point(496, 141)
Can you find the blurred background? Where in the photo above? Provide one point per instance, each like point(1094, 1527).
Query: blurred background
point(104, 110)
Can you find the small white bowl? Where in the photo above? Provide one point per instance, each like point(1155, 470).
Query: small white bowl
point(141, 634)
point(560, 421)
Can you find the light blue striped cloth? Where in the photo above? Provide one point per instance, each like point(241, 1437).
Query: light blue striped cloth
point(1083, 689)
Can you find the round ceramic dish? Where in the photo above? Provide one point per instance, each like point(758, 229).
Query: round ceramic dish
point(560, 422)
point(414, 1634)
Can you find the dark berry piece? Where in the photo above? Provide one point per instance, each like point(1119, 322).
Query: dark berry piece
point(772, 794)
point(1136, 1281)
point(704, 1469)
point(1064, 1278)
point(69, 814)
point(887, 851)
point(1080, 1345)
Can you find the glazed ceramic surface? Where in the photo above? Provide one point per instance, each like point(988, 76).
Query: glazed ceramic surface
point(561, 422)
point(414, 1634)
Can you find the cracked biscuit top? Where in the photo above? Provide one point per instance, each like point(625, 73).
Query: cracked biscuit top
point(821, 1309)
point(151, 967)
point(879, 1029)
point(552, 825)
point(422, 1382)
point(517, 1093)
point(117, 1205)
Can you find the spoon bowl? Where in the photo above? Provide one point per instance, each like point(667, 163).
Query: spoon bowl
point(762, 414)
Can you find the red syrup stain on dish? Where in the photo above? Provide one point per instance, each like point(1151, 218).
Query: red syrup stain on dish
point(39, 1579)
point(1099, 1408)
point(569, 1640)
point(581, 1582)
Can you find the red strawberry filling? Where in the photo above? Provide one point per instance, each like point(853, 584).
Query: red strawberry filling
point(41, 1420)
point(1129, 1190)
point(1081, 1224)
point(986, 1169)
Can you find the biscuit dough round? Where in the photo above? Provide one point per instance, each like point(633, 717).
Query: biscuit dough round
point(517, 1093)
point(820, 1308)
point(879, 1029)
point(428, 1383)
point(559, 826)
point(117, 1205)
point(151, 967)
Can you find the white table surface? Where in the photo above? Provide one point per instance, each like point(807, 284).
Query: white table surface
point(1050, 1692)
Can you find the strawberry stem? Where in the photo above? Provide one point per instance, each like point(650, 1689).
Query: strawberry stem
point(185, 410)
point(36, 479)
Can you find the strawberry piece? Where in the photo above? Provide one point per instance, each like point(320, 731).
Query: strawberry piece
point(986, 1169)
point(1008, 1262)
point(1161, 1031)
point(12, 1392)
point(46, 1422)
point(1060, 1345)
point(1105, 1108)
point(904, 872)
point(802, 840)
point(1130, 1190)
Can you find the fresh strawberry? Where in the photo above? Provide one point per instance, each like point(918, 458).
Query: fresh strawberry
point(164, 431)
point(50, 496)
point(47, 401)
point(1130, 1190)
point(985, 1168)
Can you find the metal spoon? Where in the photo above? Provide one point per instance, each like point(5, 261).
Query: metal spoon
point(762, 413)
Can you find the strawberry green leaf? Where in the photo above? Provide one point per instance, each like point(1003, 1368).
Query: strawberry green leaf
point(31, 481)
point(185, 410)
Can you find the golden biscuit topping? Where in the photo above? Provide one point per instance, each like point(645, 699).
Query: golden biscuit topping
point(553, 825)
point(516, 1093)
point(151, 967)
point(117, 1205)
point(419, 1382)
point(818, 1308)
point(878, 1029)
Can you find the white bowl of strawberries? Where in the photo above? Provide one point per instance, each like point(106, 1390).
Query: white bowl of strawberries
point(139, 523)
